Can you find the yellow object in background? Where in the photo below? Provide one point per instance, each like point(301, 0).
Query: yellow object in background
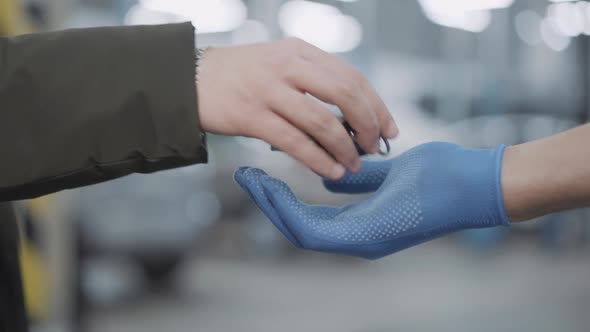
point(34, 280)
point(13, 20)
point(33, 271)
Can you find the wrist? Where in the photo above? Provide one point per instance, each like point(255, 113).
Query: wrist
point(514, 184)
point(200, 57)
point(534, 182)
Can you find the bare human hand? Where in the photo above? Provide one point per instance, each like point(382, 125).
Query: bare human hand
point(260, 91)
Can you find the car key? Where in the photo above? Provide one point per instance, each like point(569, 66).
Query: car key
point(359, 149)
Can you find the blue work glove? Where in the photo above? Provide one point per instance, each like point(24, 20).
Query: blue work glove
point(427, 192)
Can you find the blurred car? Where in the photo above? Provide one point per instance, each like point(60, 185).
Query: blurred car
point(153, 219)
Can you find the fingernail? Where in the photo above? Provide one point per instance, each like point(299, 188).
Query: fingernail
point(391, 131)
point(338, 171)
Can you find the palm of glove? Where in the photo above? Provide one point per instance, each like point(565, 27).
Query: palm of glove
point(429, 191)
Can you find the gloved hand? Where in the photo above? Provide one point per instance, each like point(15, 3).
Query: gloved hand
point(427, 192)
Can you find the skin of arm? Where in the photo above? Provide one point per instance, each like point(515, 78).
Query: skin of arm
point(547, 175)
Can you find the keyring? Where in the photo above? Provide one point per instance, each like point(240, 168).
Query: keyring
point(360, 150)
point(387, 147)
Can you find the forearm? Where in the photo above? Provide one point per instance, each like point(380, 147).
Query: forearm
point(84, 106)
point(547, 175)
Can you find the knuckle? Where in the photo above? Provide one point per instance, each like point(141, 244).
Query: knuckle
point(359, 78)
point(371, 131)
point(368, 136)
point(274, 94)
point(291, 70)
point(367, 125)
point(290, 141)
point(345, 149)
point(297, 44)
point(307, 146)
point(364, 85)
point(348, 90)
point(307, 151)
point(317, 125)
point(344, 154)
point(296, 144)
point(335, 140)
point(322, 122)
point(279, 59)
point(339, 137)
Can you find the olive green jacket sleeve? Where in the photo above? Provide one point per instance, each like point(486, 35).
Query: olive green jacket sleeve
point(83, 106)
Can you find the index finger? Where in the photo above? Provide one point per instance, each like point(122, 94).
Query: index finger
point(388, 127)
point(344, 93)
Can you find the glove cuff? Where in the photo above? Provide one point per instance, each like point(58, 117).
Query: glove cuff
point(500, 197)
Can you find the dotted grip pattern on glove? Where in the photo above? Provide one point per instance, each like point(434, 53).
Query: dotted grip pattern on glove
point(431, 190)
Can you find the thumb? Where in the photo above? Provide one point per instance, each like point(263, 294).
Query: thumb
point(250, 180)
point(368, 179)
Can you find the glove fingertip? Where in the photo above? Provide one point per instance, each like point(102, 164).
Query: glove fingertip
point(251, 181)
point(242, 169)
point(244, 175)
point(239, 174)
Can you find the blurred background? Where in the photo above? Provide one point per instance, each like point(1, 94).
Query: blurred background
point(185, 250)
